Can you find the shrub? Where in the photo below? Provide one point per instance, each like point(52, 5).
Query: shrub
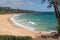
point(10, 37)
point(58, 30)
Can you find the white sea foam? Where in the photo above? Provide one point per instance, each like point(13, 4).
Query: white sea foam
point(52, 31)
point(20, 25)
point(31, 22)
point(21, 20)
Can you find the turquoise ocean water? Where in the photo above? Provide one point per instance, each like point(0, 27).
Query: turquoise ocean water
point(43, 21)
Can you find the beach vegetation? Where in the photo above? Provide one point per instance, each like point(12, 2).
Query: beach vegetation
point(10, 37)
point(8, 10)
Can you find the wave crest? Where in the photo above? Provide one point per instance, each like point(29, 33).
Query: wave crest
point(20, 25)
point(31, 22)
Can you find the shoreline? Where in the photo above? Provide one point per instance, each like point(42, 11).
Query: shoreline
point(8, 28)
point(20, 25)
point(36, 32)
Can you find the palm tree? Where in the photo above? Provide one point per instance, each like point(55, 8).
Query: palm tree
point(55, 3)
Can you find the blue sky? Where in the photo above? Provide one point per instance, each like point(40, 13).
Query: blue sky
point(26, 4)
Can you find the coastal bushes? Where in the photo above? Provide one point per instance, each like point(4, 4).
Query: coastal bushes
point(58, 29)
point(10, 37)
point(8, 10)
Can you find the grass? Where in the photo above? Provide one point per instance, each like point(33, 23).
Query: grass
point(10, 37)
point(4, 12)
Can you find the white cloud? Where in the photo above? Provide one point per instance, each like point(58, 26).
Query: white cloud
point(31, 3)
point(3, 1)
point(16, 3)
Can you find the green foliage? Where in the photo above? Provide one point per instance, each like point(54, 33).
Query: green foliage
point(4, 10)
point(58, 30)
point(7, 37)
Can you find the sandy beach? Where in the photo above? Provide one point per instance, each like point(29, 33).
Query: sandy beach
point(8, 28)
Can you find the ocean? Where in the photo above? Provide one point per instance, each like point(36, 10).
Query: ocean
point(43, 21)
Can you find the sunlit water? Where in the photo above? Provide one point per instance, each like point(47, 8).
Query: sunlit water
point(43, 21)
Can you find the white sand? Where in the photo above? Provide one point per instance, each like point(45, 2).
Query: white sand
point(7, 28)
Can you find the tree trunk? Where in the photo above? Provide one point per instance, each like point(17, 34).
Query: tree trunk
point(56, 11)
point(57, 15)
